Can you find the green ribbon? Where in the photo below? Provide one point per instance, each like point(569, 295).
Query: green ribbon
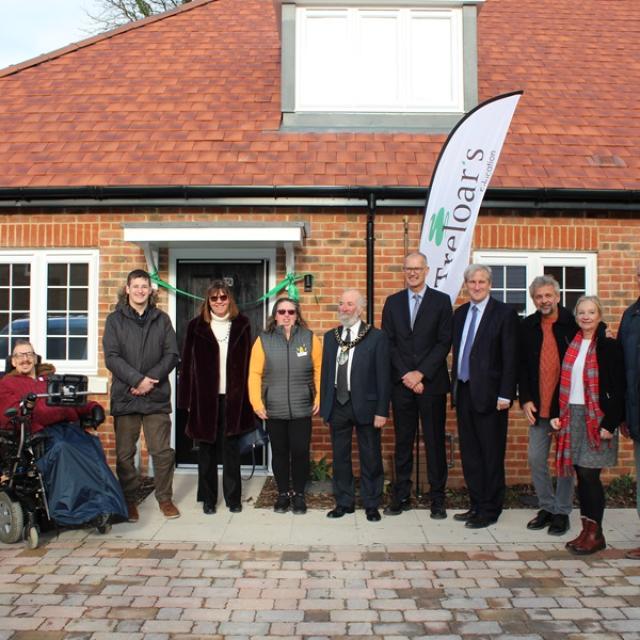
point(288, 283)
point(161, 283)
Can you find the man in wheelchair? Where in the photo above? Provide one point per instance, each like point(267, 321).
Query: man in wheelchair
point(80, 488)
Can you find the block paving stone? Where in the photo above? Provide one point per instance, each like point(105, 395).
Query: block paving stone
point(252, 592)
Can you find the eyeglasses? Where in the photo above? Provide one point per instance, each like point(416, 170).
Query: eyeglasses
point(413, 269)
point(27, 355)
point(281, 312)
point(223, 297)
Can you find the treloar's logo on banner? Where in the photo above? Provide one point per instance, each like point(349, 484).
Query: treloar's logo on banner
point(461, 177)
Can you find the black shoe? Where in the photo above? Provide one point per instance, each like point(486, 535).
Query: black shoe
point(282, 503)
point(438, 512)
point(373, 515)
point(339, 511)
point(464, 516)
point(542, 519)
point(208, 508)
point(559, 525)
point(479, 522)
point(298, 504)
point(235, 508)
point(396, 508)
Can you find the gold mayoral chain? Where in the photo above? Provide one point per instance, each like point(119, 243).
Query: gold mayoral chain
point(343, 356)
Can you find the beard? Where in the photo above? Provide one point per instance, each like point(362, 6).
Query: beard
point(347, 320)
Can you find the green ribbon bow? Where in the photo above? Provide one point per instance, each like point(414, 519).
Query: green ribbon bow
point(288, 283)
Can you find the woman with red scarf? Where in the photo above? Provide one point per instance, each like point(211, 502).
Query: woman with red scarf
point(592, 389)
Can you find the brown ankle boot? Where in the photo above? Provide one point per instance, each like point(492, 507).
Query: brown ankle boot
point(572, 543)
point(593, 540)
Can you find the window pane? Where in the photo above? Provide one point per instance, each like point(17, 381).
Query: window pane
point(4, 348)
point(575, 277)
point(77, 348)
point(79, 275)
point(19, 325)
point(516, 277)
point(498, 295)
point(571, 298)
point(21, 275)
point(4, 275)
point(497, 276)
point(20, 299)
point(557, 273)
point(57, 275)
point(56, 325)
point(4, 324)
point(78, 299)
point(56, 348)
point(78, 325)
point(4, 299)
point(57, 300)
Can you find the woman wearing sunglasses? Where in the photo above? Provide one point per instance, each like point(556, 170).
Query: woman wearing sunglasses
point(284, 386)
point(213, 389)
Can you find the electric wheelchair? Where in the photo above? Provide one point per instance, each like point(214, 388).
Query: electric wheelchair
point(43, 487)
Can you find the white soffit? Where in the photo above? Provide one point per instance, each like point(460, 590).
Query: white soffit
point(198, 234)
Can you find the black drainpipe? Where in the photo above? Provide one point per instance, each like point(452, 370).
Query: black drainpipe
point(370, 255)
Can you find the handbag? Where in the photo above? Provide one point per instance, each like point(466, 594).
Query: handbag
point(250, 441)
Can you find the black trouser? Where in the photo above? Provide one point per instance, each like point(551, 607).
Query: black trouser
point(290, 444)
point(369, 447)
point(483, 442)
point(590, 493)
point(408, 409)
point(208, 453)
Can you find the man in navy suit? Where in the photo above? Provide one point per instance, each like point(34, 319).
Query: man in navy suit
point(485, 371)
point(418, 323)
point(354, 392)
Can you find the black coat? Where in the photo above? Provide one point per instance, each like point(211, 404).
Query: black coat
point(370, 381)
point(425, 347)
point(199, 383)
point(494, 355)
point(133, 350)
point(564, 330)
point(629, 337)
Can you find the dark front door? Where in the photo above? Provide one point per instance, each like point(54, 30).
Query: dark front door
point(248, 281)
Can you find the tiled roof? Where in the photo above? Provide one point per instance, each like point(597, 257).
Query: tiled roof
point(193, 98)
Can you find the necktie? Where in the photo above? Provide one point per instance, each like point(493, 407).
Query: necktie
point(342, 385)
point(464, 373)
point(416, 306)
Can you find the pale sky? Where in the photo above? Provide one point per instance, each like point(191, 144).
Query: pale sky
point(29, 28)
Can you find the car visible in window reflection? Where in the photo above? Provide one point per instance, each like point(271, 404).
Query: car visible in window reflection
point(57, 330)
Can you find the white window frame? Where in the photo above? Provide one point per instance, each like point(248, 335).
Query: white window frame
point(39, 261)
point(535, 261)
point(347, 98)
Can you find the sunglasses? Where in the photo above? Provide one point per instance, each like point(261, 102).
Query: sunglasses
point(281, 312)
point(223, 297)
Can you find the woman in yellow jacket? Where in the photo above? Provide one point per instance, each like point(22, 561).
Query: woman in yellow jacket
point(284, 390)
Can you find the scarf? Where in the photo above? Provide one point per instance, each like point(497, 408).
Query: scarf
point(593, 413)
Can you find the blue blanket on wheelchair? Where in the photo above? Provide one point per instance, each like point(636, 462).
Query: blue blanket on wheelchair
point(80, 485)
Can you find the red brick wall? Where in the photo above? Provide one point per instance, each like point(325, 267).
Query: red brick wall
point(335, 253)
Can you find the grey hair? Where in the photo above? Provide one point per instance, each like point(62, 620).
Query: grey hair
point(593, 299)
point(473, 268)
point(361, 301)
point(543, 281)
point(417, 254)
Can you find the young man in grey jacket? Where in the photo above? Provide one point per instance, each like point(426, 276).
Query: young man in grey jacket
point(140, 350)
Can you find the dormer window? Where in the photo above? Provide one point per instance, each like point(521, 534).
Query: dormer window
point(378, 65)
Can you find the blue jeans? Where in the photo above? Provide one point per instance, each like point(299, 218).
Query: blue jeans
point(560, 501)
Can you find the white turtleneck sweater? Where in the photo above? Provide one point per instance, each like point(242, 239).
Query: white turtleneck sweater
point(221, 327)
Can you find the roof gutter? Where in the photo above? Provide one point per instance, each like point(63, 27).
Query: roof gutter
point(270, 196)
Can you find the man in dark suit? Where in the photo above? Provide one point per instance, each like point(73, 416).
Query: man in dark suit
point(418, 322)
point(485, 371)
point(354, 392)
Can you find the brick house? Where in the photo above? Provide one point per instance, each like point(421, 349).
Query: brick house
point(252, 139)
